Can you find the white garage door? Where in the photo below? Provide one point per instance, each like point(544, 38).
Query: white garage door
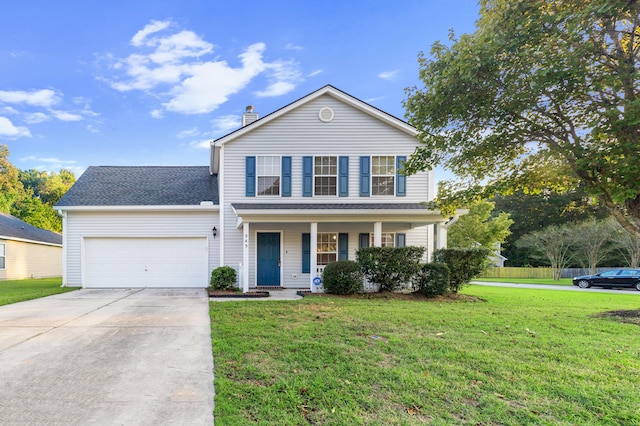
point(145, 262)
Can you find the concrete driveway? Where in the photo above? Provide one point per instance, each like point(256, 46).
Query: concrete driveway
point(126, 357)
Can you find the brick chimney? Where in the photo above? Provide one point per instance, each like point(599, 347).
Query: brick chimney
point(249, 116)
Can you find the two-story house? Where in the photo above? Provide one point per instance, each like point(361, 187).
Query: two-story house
point(283, 196)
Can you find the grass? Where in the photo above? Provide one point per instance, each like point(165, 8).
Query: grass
point(549, 281)
point(14, 291)
point(519, 357)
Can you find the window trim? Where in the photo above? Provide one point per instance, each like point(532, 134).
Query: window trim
point(258, 175)
point(336, 176)
point(3, 256)
point(335, 252)
point(393, 236)
point(393, 175)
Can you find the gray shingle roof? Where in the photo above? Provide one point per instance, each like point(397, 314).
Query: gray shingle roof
point(142, 186)
point(12, 227)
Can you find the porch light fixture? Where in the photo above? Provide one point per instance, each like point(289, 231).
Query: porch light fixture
point(215, 231)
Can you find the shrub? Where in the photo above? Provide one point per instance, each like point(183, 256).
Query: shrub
point(463, 263)
point(432, 279)
point(223, 278)
point(343, 277)
point(390, 267)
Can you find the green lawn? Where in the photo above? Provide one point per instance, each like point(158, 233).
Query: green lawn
point(518, 357)
point(561, 281)
point(21, 290)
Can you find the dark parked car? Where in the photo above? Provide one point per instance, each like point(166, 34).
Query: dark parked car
point(616, 278)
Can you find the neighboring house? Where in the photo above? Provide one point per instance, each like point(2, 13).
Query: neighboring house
point(283, 196)
point(496, 257)
point(27, 251)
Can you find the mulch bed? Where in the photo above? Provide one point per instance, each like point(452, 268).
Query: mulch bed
point(631, 316)
point(453, 297)
point(236, 294)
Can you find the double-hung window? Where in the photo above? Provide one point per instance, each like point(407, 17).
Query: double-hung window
point(388, 239)
point(383, 175)
point(325, 175)
point(327, 248)
point(3, 255)
point(268, 175)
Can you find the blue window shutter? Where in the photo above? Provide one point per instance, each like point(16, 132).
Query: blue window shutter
point(306, 253)
point(307, 176)
point(343, 176)
point(343, 246)
point(401, 240)
point(250, 172)
point(363, 241)
point(401, 179)
point(286, 176)
point(365, 176)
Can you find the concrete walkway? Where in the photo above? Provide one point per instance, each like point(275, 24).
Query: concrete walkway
point(125, 357)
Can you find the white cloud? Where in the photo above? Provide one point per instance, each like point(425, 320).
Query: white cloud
point(50, 160)
point(389, 75)
point(66, 116)
point(291, 46)
point(174, 66)
point(41, 98)
point(36, 117)
point(224, 124)
point(7, 110)
point(188, 133)
point(201, 144)
point(316, 72)
point(9, 131)
point(153, 27)
point(156, 113)
point(92, 129)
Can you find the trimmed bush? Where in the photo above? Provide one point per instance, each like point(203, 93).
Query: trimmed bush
point(432, 279)
point(343, 277)
point(223, 278)
point(390, 267)
point(463, 263)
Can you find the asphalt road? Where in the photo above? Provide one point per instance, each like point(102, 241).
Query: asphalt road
point(558, 287)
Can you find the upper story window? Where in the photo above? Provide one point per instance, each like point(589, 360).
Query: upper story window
point(325, 170)
point(383, 175)
point(268, 175)
point(3, 255)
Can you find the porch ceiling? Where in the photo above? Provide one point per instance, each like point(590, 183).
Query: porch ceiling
point(415, 213)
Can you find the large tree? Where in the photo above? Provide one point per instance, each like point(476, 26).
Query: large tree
point(544, 95)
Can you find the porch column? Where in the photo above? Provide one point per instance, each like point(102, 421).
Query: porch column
point(245, 257)
point(313, 264)
point(441, 236)
point(377, 234)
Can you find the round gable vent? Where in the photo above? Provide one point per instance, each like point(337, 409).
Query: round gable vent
point(325, 114)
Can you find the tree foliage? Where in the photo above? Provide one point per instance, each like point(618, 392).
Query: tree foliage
point(592, 242)
point(542, 96)
point(30, 195)
point(554, 243)
point(534, 212)
point(479, 227)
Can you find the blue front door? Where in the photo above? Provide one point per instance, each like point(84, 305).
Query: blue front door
point(268, 259)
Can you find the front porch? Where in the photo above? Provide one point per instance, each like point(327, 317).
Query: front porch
point(288, 245)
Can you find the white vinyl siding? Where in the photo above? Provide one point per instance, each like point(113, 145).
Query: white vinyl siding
point(142, 224)
point(352, 133)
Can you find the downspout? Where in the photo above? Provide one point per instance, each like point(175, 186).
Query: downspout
point(63, 214)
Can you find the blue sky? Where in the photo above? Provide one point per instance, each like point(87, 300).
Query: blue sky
point(143, 82)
